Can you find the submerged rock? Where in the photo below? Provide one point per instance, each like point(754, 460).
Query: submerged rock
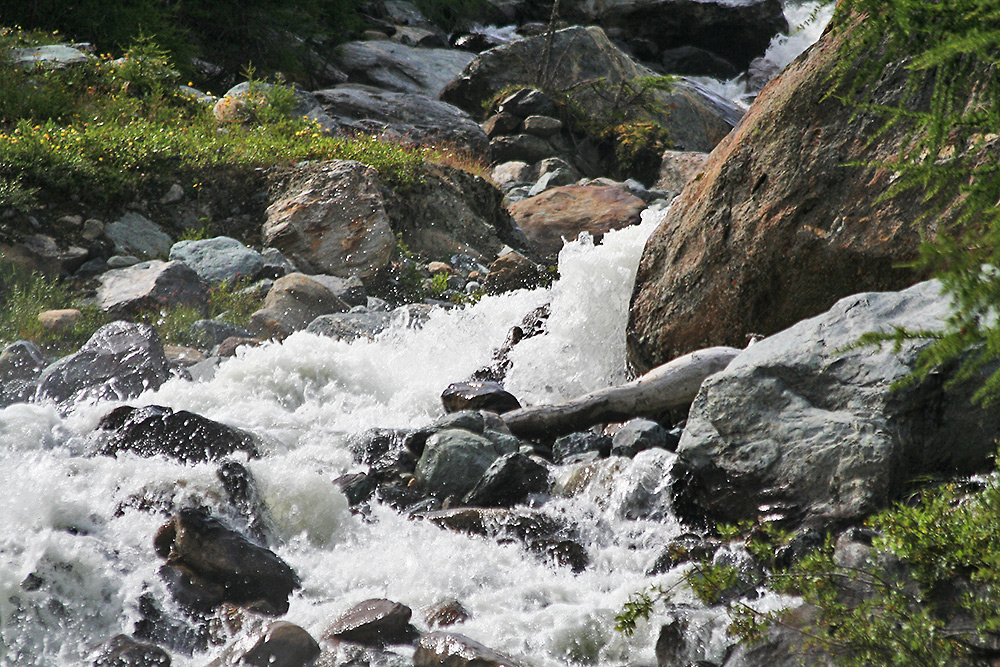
point(123, 651)
point(119, 362)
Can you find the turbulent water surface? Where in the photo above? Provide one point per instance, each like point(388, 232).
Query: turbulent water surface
point(76, 528)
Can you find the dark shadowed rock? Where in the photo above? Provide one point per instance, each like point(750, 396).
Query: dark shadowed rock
point(508, 481)
point(123, 651)
point(407, 115)
point(639, 434)
point(489, 396)
point(683, 549)
point(374, 622)
point(448, 649)
point(561, 214)
point(569, 446)
point(207, 564)
point(697, 120)
point(802, 427)
point(512, 271)
point(527, 102)
point(156, 430)
point(119, 362)
point(151, 286)
point(43, 254)
point(694, 61)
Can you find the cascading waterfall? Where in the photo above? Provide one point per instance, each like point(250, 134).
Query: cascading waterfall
point(76, 528)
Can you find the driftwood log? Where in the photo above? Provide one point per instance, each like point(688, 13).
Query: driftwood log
point(670, 386)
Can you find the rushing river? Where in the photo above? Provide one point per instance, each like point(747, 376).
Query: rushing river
point(76, 528)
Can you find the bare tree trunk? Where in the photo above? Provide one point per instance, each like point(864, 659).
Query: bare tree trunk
point(670, 386)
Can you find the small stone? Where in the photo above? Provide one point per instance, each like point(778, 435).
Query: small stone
point(93, 229)
point(59, 321)
point(182, 355)
point(122, 261)
point(173, 195)
point(542, 126)
point(490, 396)
point(75, 220)
point(435, 268)
point(444, 614)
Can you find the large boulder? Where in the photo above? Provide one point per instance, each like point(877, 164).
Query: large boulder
point(695, 118)
point(560, 214)
point(781, 223)
point(151, 286)
point(120, 361)
point(136, 235)
point(331, 218)
point(292, 303)
point(803, 426)
point(399, 68)
point(453, 212)
point(411, 116)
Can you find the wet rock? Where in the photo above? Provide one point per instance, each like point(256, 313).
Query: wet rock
point(220, 259)
point(347, 654)
point(331, 217)
point(453, 461)
point(374, 622)
point(208, 564)
point(639, 434)
point(357, 487)
point(399, 68)
point(684, 549)
point(448, 649)
point(801, 426)
point(151, 286)
point(410, 116)
point(510, 272)
point(445, 614)
point(479, 422)
point(509, 481)
point(349, 326)
point(563, 213)
point(119, 362)
point(489, 396)
point(568, 447)
point(279, 644)
point(697, 120)
point(21, 364)
point(136, 235)
point(156, 430)
point(244, 496)
point(123, 651)
point(293, 302)
point(369, 446)
point(228, 347)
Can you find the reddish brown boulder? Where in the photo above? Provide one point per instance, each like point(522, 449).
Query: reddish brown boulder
point(564, 212)
point(777, 228)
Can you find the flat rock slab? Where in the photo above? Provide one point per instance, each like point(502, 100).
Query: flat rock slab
point(149, 286)
point(562, 213)
point(399, 68)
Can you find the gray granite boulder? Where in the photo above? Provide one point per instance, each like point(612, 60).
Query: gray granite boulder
point(802, 426)
point(453, 461)
point(20, 365)
point(151, 286)
point(350, 326)
point(399, 68)
point(409, 116)
point(120, 361)
point(292, 304)
point(136, 235)
point(220, 259)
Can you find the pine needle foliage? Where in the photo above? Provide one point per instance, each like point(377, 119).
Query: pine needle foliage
point(950, 109)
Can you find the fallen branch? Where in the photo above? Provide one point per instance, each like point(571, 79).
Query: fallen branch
point(670, 386)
